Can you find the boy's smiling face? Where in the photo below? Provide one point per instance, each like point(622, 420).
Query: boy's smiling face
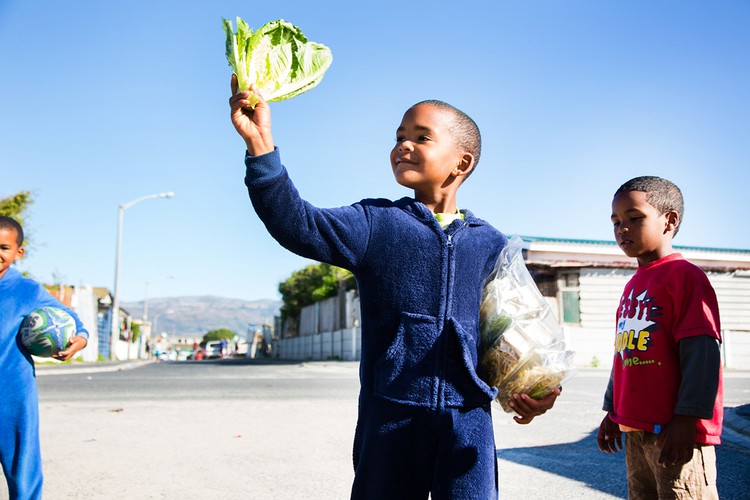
point(425, 157)
point(642, 231)
point(10, 250)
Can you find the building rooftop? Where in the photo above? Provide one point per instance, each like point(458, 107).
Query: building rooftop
point(568, 252)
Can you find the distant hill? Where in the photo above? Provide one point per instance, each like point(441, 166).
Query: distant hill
point(198, 315)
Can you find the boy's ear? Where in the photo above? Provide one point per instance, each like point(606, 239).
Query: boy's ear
point(465, 165)
point(673, 221)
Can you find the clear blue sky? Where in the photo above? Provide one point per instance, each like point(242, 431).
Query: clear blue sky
point(104, 102)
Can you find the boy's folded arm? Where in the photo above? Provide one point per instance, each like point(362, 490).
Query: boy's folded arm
point(700, 362)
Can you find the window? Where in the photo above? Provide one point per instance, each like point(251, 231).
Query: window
point(571, 297)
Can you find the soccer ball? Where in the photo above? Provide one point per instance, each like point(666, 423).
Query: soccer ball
point(47, 331)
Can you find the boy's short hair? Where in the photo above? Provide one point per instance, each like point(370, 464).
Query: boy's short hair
point(662, 194)
point(464, 130)
point(9, 223)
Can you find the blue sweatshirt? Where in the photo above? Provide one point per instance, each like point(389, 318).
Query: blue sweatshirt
point(419, 285)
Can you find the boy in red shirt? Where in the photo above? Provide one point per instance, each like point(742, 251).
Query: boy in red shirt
point(665, 391)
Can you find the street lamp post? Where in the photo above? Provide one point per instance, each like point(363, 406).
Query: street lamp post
point(155, 330)
point(114, 335)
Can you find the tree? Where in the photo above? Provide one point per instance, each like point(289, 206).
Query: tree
point(135, 332)
point(15, 206)
point(313, 284)
point(221, 333)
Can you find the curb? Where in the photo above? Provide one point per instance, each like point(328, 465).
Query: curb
point(737, 425)
point(43, 370)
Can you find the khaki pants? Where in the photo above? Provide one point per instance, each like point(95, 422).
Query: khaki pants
point(649, 481)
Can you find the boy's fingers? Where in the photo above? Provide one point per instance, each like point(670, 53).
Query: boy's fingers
point(521, 405)
point(261, 100)
point(603, 442)
point(62, 355)
point(617, 443)
point(523, 420)
point(233, 84)
point(609, 444)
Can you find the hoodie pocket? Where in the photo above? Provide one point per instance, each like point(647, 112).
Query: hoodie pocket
point(407, 371)
point(463, 386)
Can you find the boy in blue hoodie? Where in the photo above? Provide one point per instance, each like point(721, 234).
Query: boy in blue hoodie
point(424, 425)
point(20, 455)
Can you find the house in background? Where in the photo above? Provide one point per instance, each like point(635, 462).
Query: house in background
point(104, 320)
point(94, 306)
point(583, 281)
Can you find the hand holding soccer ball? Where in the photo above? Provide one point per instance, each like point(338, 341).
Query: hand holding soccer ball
point(50, 332)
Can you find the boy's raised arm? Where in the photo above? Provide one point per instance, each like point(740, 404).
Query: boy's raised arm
point(253, 125)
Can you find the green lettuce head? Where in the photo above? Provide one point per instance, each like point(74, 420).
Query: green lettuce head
point(277, 58)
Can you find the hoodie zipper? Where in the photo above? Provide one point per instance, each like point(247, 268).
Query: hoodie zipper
point(440, 403)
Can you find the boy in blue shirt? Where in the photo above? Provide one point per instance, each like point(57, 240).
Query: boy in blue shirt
point(424, 425)
point(20, 455)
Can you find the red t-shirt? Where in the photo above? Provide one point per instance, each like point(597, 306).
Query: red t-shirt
point(665, 301)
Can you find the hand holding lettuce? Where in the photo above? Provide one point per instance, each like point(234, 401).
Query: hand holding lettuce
point(523, 347)
point(277, 58)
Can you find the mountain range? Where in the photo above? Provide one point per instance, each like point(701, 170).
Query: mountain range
point(194, 316)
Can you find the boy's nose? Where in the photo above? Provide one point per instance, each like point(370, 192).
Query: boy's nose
point(405, 146)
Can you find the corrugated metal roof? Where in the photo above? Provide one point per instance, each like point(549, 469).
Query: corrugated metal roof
point(101, 292)
point(531, 239)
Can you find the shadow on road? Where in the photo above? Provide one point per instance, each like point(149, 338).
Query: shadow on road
point(579, 461)
point(582, 461)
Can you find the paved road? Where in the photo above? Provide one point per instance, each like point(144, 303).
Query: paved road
point(226, 430)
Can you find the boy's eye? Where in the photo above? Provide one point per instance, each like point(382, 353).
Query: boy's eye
point(399, 138)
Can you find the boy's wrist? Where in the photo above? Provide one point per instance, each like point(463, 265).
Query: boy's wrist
point(260, 145)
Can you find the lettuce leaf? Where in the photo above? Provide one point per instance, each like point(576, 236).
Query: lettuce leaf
point(277, 58)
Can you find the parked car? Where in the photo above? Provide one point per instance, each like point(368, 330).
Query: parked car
point(212, 349)
point(197, 354)
point(183, 354)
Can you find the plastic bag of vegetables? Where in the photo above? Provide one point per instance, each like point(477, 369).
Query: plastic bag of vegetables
point(523, 347)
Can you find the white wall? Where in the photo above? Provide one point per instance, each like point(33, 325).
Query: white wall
point(84, 303)
point(345, 345)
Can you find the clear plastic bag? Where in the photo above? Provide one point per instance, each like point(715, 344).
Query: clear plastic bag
point(523, 345)
point(537, 375)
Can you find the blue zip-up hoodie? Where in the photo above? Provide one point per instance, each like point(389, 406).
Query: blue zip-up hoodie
point(419, 285)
